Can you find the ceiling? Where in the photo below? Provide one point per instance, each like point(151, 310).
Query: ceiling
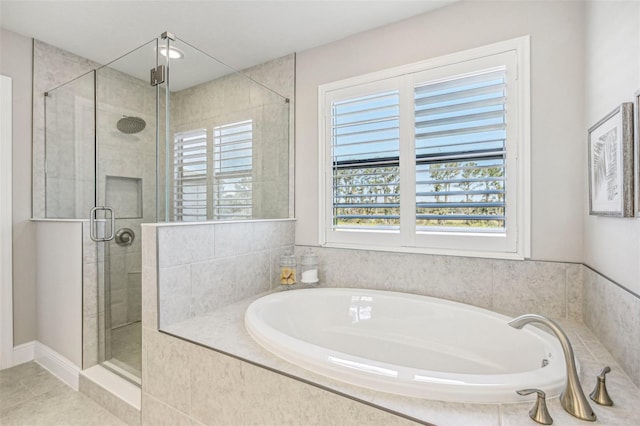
point(238, 33)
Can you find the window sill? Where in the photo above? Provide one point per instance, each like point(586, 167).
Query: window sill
point(432, 251)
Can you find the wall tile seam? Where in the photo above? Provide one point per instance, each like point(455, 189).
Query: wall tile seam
point(268, 251)
point(617, 284)
point(254, 251)
point(631, 292)
point(588, 348)
point(618, 364)
point(171, 407)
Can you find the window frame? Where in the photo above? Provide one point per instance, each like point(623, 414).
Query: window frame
point(515, 242)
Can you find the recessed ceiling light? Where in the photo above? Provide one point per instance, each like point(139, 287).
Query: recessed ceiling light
point(173, 52)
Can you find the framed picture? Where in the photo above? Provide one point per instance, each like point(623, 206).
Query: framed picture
point(636, 157)
point(611, 174)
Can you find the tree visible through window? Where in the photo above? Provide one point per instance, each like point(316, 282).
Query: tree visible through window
point(233, 170)
point(365, 161)
point(430, 155)
point(213, 183)
point(460, 133)
point(190, 176)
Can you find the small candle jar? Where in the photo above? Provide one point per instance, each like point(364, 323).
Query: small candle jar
point(288, 269)
point(309, 267)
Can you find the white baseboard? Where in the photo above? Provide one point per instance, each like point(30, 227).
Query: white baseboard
point(24, 353)
point(57, 364)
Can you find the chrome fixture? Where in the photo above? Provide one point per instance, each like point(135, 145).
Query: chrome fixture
point(130, 125)
point(157, 75)
point(600, 394)
point(125, 237)
point(539, 412)
point(572, 398)
point(93, 226)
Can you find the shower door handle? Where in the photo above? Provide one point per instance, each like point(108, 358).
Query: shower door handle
point(93, 231)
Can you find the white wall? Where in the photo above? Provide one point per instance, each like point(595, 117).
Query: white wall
point(611, 245)
point(557, 71)
point(59, 287)
point(6, 226)
point(15, 62)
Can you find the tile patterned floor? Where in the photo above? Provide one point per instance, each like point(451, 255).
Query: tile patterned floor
point(126, 348)
point(31, 396)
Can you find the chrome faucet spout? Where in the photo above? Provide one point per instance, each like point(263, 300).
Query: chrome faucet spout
point(572, 398)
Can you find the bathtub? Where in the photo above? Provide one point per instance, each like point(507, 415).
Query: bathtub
point(405, 344)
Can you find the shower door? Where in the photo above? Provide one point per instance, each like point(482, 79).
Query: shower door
point(125, 187)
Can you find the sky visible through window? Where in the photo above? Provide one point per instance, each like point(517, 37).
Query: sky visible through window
point(460, 133)
point(233, 170)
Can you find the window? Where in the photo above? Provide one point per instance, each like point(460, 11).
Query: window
point(213, 183)
point(233, 168)
point(460, 153)
point(190, 176)
point(366, 146)
point(430, 157)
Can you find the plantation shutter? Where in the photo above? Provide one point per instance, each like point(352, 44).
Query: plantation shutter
point(460, 153)
point(365, 161)
point(190, 176)
point(233, 168)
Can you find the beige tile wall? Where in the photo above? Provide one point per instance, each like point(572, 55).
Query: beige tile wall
point(552, 289)
point(613, 314)
point(186, 384)
point(234, 98)
point(189, 384)
point(202, 267)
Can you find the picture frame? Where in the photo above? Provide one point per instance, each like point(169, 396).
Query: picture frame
point(636, 150)
point(611, 164)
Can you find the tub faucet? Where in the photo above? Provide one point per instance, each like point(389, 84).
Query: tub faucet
point(572, 398)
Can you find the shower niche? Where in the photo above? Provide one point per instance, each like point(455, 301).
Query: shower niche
point(196, 141)
point(124, 195)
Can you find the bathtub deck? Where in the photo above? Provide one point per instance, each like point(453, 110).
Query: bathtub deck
point(224, 331)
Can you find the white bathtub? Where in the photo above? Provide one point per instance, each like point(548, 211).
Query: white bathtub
point(408, 345)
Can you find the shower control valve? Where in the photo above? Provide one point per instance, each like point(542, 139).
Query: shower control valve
point(125, 237)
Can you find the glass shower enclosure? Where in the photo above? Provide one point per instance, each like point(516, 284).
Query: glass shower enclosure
point(164, 133)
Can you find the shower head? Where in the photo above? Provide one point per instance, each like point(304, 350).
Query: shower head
point(130, 125)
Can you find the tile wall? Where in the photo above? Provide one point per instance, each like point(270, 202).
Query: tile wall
point(203, 386)
point(511, 287)
point(613, 314)
point(234, 98)
point(202, 267)
point(206, 387)
point(245, 393)
point(51, 68)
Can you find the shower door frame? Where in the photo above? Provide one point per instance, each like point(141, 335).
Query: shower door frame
point(104, 242)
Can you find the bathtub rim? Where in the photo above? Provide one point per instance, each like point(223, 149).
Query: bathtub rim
point(492, 393)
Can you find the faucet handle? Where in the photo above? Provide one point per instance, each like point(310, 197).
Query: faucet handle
point(600, 394)
point(539, 412)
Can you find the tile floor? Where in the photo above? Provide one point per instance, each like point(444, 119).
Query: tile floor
point(30, 396)
point(126, 348)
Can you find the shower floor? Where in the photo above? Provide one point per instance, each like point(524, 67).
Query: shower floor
point(126, 348)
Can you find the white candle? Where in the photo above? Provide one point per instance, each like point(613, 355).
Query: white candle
point(310, 276)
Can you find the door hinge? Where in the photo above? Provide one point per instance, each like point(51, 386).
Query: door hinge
point(158, 75)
